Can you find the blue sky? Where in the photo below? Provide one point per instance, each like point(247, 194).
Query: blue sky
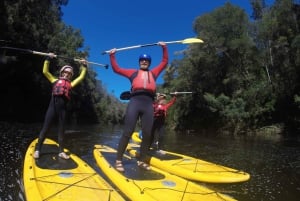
point(115, 24)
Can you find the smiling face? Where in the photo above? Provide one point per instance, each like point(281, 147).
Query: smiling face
point(144, 61)
point(161, 99)
point(66, 72)
point(144, 64)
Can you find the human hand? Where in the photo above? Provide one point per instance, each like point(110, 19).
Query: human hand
point(161, 43)
point(112, 51)
point(174, 93)
point(83, 62)
point(50, 55)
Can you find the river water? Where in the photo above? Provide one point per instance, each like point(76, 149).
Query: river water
point(273, 163)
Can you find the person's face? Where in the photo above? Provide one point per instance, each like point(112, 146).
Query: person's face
point(162, 101)
point(144, 64)
point(67, 73)
point(161, 98)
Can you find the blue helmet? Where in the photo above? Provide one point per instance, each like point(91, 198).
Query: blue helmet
point(145, 57)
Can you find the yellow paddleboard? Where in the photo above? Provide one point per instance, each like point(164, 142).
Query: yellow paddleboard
point(55, 179)
point(149, 185)
point(190, 167)
point(136, 138)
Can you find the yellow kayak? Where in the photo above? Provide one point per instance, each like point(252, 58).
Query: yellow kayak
point(190, 167)
point(151, 185)
point(55, 179)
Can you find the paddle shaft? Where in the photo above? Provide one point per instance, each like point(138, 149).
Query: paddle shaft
point(131, 47)
point(47, 54)
point(185, 41)
point(181, 92)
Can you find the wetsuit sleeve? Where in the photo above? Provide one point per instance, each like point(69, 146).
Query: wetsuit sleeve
point(81, 76)
point(117, 69)
point(46, 72)
point(171, 102)
point(163, 64)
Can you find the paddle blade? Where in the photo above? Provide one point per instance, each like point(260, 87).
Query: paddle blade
point(192, 40)
point(125, 95)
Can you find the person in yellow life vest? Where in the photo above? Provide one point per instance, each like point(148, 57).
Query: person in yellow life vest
point(161, 107)
point(61, 90)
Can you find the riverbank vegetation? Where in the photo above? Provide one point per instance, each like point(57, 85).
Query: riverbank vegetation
point(245, 76)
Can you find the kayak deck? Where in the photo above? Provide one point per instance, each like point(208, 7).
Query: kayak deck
point(191, 167)
point(53, 178)
point(139, 184)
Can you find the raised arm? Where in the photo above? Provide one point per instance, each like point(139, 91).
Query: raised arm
point(46, 71)
point(83, 70)
point(116, 68)
point(165, 59)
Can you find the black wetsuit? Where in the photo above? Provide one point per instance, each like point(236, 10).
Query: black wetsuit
point(140, 104)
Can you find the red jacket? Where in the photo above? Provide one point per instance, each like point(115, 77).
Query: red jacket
point(161, 109)
point(130, 72)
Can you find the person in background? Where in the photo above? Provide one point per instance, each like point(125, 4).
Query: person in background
point(61, 94)
point(143, 90)
point(161, 107)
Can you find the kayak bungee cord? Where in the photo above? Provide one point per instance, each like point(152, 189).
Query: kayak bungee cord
point(67, 187)
point(183, 191)
point(179, 163)
point(70, 185)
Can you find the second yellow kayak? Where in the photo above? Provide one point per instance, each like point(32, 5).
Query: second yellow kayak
point(190, 167)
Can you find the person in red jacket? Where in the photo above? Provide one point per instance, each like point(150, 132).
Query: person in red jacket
point(161, 107)
point(143, 90)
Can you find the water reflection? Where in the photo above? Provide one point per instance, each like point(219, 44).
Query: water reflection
point(274, 165)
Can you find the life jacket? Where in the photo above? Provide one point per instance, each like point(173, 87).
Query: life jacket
point(159, 110)
point(62, 87)
point(143, 80)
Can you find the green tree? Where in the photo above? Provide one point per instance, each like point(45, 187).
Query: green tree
point(226, 74)
point(37, 25)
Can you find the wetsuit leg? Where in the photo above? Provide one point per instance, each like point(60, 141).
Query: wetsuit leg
point(131, 118)
point(50, 114)
point(153, 133)
point(60, 106)
point(147, 122)
point(160, 133)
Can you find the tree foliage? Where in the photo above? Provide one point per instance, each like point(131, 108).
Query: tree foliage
point(246, 73)
point(37, 25)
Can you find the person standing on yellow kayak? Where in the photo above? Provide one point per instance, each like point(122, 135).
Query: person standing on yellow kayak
point(143, 89)
point(60, 96)
point(161, 107)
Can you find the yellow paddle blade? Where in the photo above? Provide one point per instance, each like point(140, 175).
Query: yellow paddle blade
point(192, 40)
